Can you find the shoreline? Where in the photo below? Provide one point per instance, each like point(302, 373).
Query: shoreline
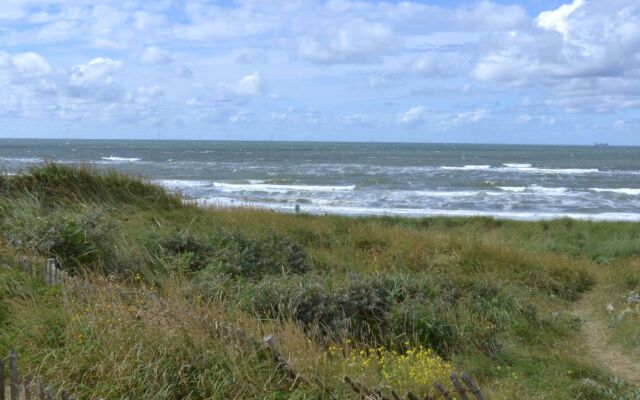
point(363, 212)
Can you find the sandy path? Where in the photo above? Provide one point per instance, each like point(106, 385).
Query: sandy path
point(595, 336)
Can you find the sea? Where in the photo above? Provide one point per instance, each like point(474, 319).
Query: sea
point(522, 182)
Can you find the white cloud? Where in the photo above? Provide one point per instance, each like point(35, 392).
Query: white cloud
point(557, 19)
point(23, 65)
point(413, 116)
point(94, 80)
point(355, 42)
point(473, 116)
point(248, 86)
point(98, 69)
point(588, 45)
point(154, 55)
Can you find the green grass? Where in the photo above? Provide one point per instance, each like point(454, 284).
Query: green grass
point(168, 287)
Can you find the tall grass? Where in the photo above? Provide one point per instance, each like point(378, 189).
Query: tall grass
point(164, 289)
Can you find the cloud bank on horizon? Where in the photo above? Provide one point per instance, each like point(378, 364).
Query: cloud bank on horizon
point(536, 71)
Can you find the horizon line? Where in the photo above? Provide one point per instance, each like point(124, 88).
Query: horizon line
point(595, 144)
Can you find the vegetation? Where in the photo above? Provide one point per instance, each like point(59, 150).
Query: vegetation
point(171, 300)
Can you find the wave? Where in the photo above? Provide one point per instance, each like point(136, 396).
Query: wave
point(437, 193)
point(628, 191)
point(181, 184)
point(534, 189)
point(515, 165)
point(269, 187)
point(467, 168)
point(424, 212)
point(126, 159)
point(524, 168)
point(557, 171)
point(22, 160)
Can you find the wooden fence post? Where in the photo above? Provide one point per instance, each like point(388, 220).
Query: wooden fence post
point(27, 391)
point(41, 393)
point(472, 386)
point(13, 375)
point(51, 269)
point(2, 378)
point(412, 396)
point(364, 391)
point(25, 266)
point(282, 363)
point(458, 387)
point(443, 392)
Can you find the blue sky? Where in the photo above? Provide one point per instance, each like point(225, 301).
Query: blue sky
point(536, 71)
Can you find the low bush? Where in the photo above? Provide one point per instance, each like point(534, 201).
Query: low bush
point(268, 254)
point(76, 237)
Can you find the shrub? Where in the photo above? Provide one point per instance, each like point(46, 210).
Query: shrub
point(268, 254)
point(76, 238)
point(193, 250)
point(357, 308)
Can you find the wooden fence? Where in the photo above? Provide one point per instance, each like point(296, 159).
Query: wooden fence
point(47, 271)
point(24, 388)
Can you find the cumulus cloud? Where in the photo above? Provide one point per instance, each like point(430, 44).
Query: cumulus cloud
point(335, 60)
point(470, 117)
point(589, 45)
point(98, 69)
point(248, 86)
point(355, 42)
point(154, 55)
point(94, 80)
point(413, 116)
point(23, 66)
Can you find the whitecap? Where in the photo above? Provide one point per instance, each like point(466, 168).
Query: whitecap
point(515, 189)
point(533, 189)
point(125, 159)
point(268, 187)
point(516, 165)
point(467, 168)
point(181, 184)
point(628, 191)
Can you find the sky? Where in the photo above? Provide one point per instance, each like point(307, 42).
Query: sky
point(529, 71)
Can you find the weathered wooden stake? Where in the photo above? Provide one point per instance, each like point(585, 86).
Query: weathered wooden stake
point(51, 269)
point(364, 391)
point(443, 392)
point(44, 272)
point(27, 391)
point(13, 375)
point(282, 363)
point(41, 393)
point(49, 392)
point(472, 386)
point(458, 387)
point(412, 396)
point(2, 378)
point(25, 266)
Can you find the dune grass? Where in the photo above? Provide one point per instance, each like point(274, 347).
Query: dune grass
point(172, 300)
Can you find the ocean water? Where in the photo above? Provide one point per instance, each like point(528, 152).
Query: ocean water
point(504, 181)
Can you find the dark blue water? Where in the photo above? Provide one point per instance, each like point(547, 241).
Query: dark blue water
point(508, 181)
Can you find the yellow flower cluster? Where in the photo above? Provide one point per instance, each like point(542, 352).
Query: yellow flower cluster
point(415, 369)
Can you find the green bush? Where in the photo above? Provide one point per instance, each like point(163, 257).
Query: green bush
point(193, 250)
point(75, 237)
point(240, 255)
